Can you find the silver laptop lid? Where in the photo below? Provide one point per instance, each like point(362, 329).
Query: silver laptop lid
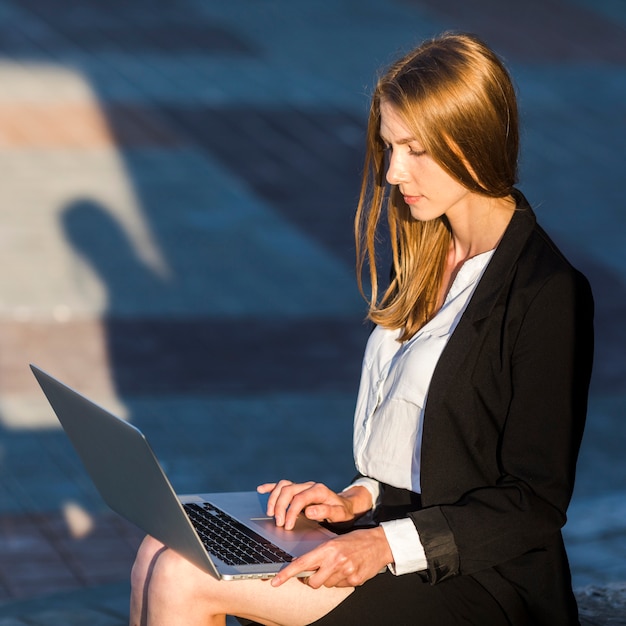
point(125, 470)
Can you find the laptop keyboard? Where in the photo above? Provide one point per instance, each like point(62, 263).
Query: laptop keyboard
point(231, 541)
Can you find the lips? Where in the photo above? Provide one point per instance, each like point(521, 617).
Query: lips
point(412, 199)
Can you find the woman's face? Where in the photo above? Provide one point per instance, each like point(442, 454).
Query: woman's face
point(428, 189)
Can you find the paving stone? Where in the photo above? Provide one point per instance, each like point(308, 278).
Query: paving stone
point(602, 606)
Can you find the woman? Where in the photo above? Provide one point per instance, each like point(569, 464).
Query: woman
point(473, 391)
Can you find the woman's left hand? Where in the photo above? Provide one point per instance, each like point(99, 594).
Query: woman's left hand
point(346, 561)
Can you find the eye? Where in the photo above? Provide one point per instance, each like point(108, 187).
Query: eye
point(414, 152)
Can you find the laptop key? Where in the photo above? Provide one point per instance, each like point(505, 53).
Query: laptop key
point(231, 541)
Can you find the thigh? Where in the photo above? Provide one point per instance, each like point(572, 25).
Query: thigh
point(180, 593)
point(408, 600)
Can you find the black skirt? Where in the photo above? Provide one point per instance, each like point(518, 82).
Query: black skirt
point(409, 599)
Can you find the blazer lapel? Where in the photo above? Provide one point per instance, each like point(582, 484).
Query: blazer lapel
point(497, 277)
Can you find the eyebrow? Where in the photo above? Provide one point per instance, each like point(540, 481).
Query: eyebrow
point(400, 142)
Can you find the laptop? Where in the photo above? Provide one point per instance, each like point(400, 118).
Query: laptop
point(228, 535)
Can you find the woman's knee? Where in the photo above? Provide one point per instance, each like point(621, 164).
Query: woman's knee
point(170, 575)
point(144, 561)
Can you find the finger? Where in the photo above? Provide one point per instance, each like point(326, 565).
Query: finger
point(313, 495)
point(297, 566)
point(274, 495)
point(327, 576)
point(327, 512)
point(289, 504)
point(337, 574)
point(343, 577)
point(339, 581)
point(265, 487)
point(319, 512)
point(315, 583)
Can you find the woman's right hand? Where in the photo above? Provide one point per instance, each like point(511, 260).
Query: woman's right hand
point(287, 500)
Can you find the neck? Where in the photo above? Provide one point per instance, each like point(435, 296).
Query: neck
point(479, 227)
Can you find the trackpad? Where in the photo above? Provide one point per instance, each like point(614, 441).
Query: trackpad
point(305, 531)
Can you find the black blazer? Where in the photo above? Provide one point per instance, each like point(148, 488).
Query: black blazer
point(502, 428)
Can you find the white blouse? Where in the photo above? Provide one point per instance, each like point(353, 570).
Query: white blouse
point(390, 407)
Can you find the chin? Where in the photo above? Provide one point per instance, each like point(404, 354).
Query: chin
point(420, 216)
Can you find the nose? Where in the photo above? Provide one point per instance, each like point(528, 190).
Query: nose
point(396, 172)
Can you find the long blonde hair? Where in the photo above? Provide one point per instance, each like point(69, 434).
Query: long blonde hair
point(457, 98)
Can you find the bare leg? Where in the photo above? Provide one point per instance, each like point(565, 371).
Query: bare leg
point(167, 590)
point(141, 574)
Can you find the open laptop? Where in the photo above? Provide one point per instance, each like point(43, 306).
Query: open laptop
point(128, 476)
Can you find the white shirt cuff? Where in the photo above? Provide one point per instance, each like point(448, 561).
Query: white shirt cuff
point(406, 547)
point(373, 486)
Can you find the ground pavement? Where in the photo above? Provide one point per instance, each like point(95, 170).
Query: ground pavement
point(178, 183)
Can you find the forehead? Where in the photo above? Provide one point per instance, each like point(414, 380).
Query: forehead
point(392, 126)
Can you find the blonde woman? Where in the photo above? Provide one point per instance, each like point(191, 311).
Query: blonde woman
point(473, 390)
